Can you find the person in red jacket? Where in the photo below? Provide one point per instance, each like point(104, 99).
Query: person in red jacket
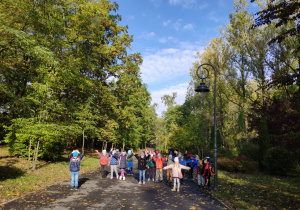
point(103, 162)
point(207, 173)
point(159, 161)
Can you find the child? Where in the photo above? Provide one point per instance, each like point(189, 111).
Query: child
point(129, 162)
point(159, 161)
point(113, 163)
point(169, 171)
point(151, 165)
point(123, 163)
point(207, 173)
point(142, 165)
point(176, 172)
point(181, 162)
point(75, 167)
point(103, 162)
point(200, 171)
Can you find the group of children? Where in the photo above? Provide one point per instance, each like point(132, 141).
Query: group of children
point(152, 161)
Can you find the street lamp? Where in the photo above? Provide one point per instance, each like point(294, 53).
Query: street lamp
point(203, 89)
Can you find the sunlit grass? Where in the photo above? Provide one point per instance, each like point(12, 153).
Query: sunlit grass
point(244, 191)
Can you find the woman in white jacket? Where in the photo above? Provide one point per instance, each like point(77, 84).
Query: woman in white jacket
point(176, 172)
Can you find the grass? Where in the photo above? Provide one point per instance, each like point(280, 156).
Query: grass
point(244, 191)
point(16, 180)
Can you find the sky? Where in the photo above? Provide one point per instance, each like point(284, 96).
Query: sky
point(168, 34)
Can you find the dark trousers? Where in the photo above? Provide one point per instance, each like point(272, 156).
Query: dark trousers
point(151, 172)
point(103, 171)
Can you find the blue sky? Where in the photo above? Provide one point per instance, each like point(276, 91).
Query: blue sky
point(168, 34)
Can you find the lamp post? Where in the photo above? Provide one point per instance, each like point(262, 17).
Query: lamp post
point(202, 89)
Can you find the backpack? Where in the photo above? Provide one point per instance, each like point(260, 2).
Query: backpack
point(151, 163)
point(73, 163)
point(104, 160)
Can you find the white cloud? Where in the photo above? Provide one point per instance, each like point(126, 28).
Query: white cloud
point(177, 24)
point(168, 39)
point(166, 23)
point(156, 2)
point(180, 89)
point(183, 3)
point(189, 3)
point(170, 63)
point(188, 27)
point(212, 16)
point(147, 35)
point(130, 17)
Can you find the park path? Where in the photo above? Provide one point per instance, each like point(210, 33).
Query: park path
point(97, 193)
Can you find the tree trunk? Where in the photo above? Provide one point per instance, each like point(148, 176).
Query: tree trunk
point(123, 145)
point(29, 154)
point(82, 142)
point(36, 152)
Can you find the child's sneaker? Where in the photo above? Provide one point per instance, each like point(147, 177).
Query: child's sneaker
point(76, 188)
point(148, 179)
point(120, 178)
point(111, 177)
point(153, 180)
point(123, 177)
point(117, 177)
point(140, 182)
point(72, 188)
point(178, 190)
point(174, 189)
point(144, 182)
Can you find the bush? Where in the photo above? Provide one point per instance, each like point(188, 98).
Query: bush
point(249, 150)
point(243, 166)
point(279, 161)
point(225, 152)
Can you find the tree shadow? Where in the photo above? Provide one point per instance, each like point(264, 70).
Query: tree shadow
point(10, 172)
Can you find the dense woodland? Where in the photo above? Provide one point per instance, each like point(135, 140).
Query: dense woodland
point(67, 79)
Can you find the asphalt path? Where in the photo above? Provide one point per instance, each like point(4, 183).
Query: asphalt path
point(97, 193)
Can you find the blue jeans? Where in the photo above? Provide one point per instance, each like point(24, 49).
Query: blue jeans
point(74, 178)
point(129, 167)
point(142, 173)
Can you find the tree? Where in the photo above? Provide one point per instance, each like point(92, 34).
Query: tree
point(263, 140)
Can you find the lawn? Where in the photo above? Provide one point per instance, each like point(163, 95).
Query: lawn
point(244, 191)
point(16, 180)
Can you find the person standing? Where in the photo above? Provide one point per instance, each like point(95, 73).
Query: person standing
point(159, 161)
point(103, 162)
point(113, 163)
point(75, 157)
point(129, 162)
point(176, 171)
point(151, 164)
point(142, 165)
point(169, 171)
point(123, 164)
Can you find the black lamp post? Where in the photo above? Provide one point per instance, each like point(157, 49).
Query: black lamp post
point(202, 89)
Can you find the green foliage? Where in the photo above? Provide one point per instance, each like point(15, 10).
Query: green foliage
point(263, 141)
point(212, 138)
point(230, 165)
point(279, 161)
point(57, 62)
point(249, 150)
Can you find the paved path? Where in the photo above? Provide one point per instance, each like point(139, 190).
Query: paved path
point(96, 193)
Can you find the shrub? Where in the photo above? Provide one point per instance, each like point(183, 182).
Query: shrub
point(279, 161)
point(249, 150)
point(237, 166)
point(225, 152)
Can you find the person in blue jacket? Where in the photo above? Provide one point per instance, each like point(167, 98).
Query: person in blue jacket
point(192, 162)
point(75, 157)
